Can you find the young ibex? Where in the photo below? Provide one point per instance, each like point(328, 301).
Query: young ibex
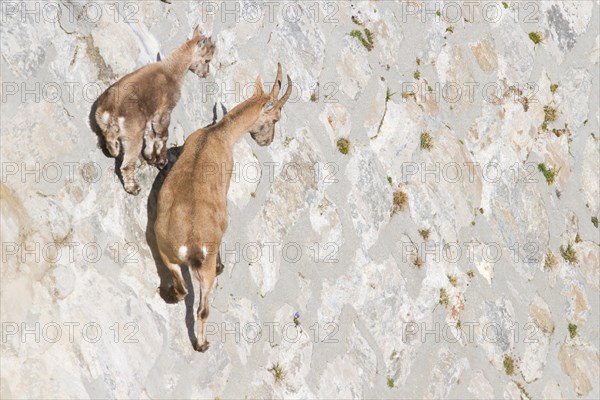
point(136, 110)
point(192, 203)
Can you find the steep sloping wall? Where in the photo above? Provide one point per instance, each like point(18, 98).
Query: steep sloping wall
point(448, 117)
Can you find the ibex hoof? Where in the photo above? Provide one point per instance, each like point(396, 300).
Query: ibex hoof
point(161, 164)
point(202, 347)
point(133, 189)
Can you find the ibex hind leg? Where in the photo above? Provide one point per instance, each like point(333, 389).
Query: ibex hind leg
point(206, 274)
point(149, 138)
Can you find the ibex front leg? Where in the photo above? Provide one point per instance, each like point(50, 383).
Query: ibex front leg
point(131, 150)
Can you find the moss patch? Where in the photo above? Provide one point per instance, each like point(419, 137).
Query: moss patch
point(400, 201)
point(426, 141)
point(572, 330)
point(509, 365)
point(343, 145)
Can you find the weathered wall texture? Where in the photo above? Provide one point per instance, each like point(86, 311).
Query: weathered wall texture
point(481, 312)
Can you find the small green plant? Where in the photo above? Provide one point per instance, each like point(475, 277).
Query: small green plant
point(313, 97)
point(536, 37)
point(438, 13)
point(551, 262)
point(400, 201)
point(450, 29)
point(470, 274)
point(417, 75)
point(550, 115)
point(418, 61)
point(549, 173)
point(343, 145)
point(253, 194)
point(287, 141)
point(389, 179)
point(553, 88)
point(480, 210)
point(577, 238)
point(509, 365)
point(452, 279)
point(366, 40)
point(277, 372)
point(424, 233)
point(388, 95)
point(426, 141)
point(569, 254)
point(505, 4)
point(572, 330)
point(444, 299)
point(390, 382)
point(595, 221)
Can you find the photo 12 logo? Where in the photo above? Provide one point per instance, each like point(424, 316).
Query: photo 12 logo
point(54, 332)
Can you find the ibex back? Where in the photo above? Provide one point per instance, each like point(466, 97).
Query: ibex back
point(192, 204)
point(136, 110)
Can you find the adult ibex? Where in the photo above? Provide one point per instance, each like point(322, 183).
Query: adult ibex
point(192, 203)
point(136, 110)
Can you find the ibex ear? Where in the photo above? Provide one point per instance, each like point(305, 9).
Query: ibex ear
point(197, 31)
point(202, 43)
point(158, 57)
point(258, 86)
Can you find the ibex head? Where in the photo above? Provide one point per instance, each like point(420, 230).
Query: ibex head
point(263, 129)
point(204, 49)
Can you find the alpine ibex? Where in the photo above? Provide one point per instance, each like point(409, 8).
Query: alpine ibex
point(136, 110)
point(192, 203)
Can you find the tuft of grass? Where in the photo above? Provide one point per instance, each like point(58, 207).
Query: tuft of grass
point(536, 37)
point(470, 274)
point(277, 372)
point(452, 279)
point(595, 221)
point(549, 173)
point(505, 4)
point(356, 21)
point(314, 98)
point(450, 29)
point(509, 365)
point(444, 299)
point(390, 382)
point(424, 233)
point(438, 13)
point(549, 113)
point(417, 75)
point(253, 194)
point(343, 145)
point(418, 262)
point(389, 179)
point(400, 201)
point(553, 88)
point(577, 238)
point(551, 262)
point(366, 40)
point(572, 330)
point(408, 95)
point(418, 61)
point(569, 254)
point(426, 141)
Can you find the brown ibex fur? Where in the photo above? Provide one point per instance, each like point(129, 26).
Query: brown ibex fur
point(192, 203)
point(136, 110)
